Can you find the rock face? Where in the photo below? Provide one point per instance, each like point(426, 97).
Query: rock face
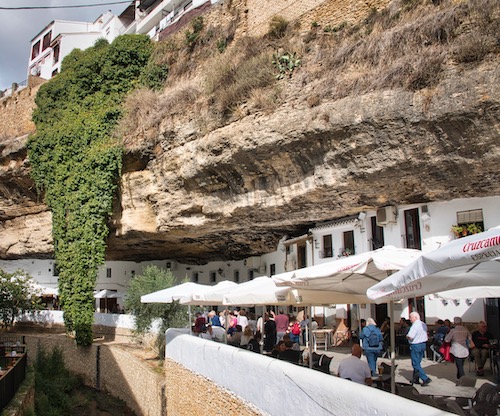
point(235, 191)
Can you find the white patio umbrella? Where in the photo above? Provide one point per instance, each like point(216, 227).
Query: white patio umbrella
point(264, 291)
point(176, 293)
point(468, 262)
point(45, 290)
point(211, 296)
point(352, 276)
point(104, 293)
point(471, 292)
point(259, 291)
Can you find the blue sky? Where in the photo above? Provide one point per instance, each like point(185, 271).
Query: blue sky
point(18, 27)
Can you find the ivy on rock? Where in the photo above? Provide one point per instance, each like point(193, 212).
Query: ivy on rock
point(76, 162)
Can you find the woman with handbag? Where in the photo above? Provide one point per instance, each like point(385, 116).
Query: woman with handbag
point(461, 341)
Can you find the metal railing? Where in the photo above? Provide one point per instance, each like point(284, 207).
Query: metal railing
point(11, 378)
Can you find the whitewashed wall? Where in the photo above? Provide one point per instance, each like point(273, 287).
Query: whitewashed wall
point(280, 388)
point(112, 320)
point(435, 232)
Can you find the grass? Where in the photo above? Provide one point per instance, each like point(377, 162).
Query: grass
point(222, 78)
point(59, 392)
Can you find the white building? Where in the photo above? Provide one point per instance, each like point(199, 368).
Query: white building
point(59, 38)
point(422, 226)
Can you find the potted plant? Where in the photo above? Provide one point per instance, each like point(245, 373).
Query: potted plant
point(463, 230)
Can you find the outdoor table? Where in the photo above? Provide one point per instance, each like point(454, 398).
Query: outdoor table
point(446, 390)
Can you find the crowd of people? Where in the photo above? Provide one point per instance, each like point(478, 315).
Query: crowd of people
point(451, 342)
point(280, 335)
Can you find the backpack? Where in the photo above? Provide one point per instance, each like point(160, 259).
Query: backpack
point(373, 339)
point(296, 328)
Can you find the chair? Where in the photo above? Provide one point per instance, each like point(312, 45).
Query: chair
point(454, 407)
point(466, 381)
point(408, 392)
point(320, 339)
point(323, 364)
point(487, 403)
point(471, 360)
point(341, 336)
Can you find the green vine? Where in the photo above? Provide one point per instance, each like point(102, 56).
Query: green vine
point(76, 162)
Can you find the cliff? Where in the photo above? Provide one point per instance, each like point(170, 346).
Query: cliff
point(391, 110)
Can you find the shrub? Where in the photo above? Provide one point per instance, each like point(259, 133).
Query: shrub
point(285, 64)
point(154, 76)
point(277, 27)
point(171, 314)
point(192, 36)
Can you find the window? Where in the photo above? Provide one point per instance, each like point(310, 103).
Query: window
point(213, 277)
point(108, 272)
point(348, 249)
point(327, 246)
point(377, 239)
point(46, 40)
point(272, 269)
point(57, 51)
point(55, 72)
point(250, 274)
point(412, 227)
point(237, 276)
point(469, 222)
point(195, 277)
point(55, 270)
point(35, 51)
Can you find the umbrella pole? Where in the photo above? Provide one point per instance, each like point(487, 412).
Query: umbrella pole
point(392, 347)
point(190, 324)
point(309, 337)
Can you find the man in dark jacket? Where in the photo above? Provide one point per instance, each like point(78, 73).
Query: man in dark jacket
point(481, 351)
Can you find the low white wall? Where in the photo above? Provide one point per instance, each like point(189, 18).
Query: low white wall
point(280, 388)
point(50, 317)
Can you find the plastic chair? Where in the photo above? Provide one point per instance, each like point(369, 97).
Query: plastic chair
point(320, 339)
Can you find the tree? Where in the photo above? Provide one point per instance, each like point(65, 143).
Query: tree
point(172, 315)
point(17, 295)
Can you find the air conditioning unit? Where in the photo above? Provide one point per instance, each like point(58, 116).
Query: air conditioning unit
point(252, 262)
point(262, 268)
point(386, 215)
